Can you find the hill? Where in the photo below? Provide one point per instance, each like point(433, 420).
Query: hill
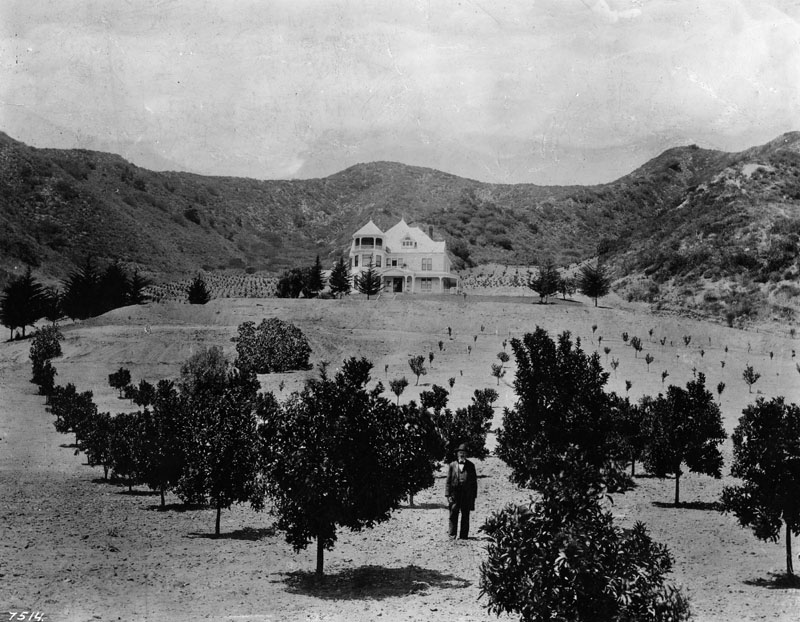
point(672, 229)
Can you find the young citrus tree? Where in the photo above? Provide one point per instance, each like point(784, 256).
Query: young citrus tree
point(221, 444)
point(766, 456)
point(335, 455)
point(562, 411)
point(562, 558)
point(684, 427)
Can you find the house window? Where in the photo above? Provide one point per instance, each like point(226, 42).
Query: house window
point(426, 285)
point(394, 263)
point(408, 243)
point(366, 260)
point(379, 242)
point(355, 259)
point(427, 263)
point(357, 242)
point(377, 261)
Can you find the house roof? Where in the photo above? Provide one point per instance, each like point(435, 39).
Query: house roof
point(369, 229)
point(401, 231)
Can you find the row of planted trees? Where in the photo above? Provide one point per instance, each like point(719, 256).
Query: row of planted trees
point(338, 454)
point(561, 556)
point(87, 292)
point(335, 454)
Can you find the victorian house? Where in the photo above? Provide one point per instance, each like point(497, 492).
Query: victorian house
point(407, 259)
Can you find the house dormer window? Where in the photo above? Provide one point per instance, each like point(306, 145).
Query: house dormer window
point(409, 243)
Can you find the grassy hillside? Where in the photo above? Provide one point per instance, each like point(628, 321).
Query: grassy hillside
point(692, 228)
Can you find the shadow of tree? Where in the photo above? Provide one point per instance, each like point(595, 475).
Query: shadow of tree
point(138, 493)
point(69, 446)
point(371, 582)
point(426, 506)
point(707, 506)
point(248, 533)
point(178, 507)
point(777, 581)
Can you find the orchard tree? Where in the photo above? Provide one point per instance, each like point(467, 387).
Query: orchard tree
point(96, 443)
point(594, 281)
point(498, 372)
point(144, 394)
point(546, 282)
point(398, 386)
point(46, 345)
point(636, 344)
point(562, 558)
point(468, 425)
point(119, 380)
point(221, 446)
point(21, 304)
point(73, 411)
point(750, 377)
point(197, 293)
point(562, 414)
point(684, 427)
point(291, 283)
point(125, 447)
point(766, 456)
point(333, 456)
point(421, 450)
point(630, 429)
point(566, 286)
point(368, 282)
point(417, 365)
point(340, 281)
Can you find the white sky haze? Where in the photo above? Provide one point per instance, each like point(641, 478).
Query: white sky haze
point(539, 91)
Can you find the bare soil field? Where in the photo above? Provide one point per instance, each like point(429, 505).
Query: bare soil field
point(75, 547)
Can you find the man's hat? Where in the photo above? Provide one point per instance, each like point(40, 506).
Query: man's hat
point(462, 447)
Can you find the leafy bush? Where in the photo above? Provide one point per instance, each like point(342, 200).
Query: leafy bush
point(272, 346)
point(46, 345)
point(562, 558)
point(562, 414)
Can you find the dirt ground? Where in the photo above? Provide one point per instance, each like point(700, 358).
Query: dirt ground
point(77, 548)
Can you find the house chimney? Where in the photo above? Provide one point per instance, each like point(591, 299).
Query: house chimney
point(430, 231)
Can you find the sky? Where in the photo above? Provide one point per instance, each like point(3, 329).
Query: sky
point(535, 91)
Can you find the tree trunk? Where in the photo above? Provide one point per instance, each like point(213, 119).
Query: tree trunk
point(595, 302)
point(411, 500)
point(677, 488)
point(320, 552)
point(105, 472)
point(789, 567)
point(163, 503)
point(219, 511)
point(633, 468)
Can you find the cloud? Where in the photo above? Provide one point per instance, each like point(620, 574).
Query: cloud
point(521, 91)
point(603, 10)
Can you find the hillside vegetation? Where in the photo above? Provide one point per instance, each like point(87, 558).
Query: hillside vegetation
point(692, 228)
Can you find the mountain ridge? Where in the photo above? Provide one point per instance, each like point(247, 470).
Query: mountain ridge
point(651, 226)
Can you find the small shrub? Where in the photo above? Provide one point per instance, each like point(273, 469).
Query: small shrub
point(272, 346)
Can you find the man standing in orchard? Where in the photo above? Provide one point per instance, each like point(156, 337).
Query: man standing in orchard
point(461, 488)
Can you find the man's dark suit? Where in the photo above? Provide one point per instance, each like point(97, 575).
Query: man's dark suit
point(461, 488)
